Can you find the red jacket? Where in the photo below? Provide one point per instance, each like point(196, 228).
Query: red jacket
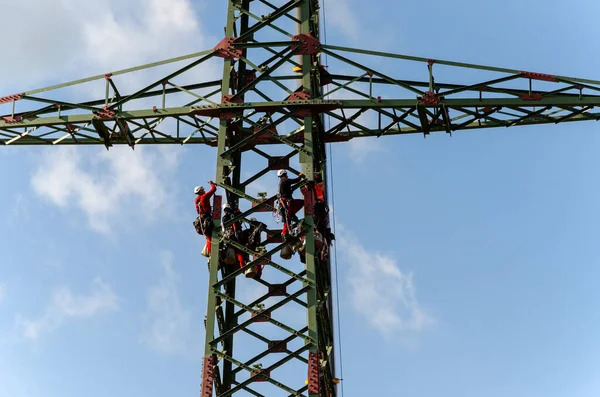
point(202, 201)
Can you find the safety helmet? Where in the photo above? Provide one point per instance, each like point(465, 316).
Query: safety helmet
point(226, 206)
point(281, 173)
point(198, 189)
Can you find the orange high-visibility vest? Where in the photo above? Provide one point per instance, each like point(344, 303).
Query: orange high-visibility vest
point(320, 191)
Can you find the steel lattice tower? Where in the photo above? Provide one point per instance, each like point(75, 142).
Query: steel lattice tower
point(269, 107)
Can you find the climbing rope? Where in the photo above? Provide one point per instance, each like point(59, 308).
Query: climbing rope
point(335, 261)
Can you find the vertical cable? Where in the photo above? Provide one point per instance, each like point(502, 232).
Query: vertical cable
point(335, 261)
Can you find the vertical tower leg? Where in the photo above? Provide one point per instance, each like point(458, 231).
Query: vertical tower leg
point(251, 346)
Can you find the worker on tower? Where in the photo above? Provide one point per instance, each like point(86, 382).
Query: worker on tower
point(322, 210)
point(204, 210)
point(232, 232)
point(251, 239)
point(289, 206)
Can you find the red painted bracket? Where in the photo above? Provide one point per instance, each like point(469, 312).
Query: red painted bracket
point(300, 96)
point(225, 49)
point(217, 202)
point(261, 131)
point(313, 373)
point(279, 163)
point(226, 115)
point(208, 377)
point(105, 113)
point(309, 202)
point(228, 98)
point(305, 44)
point(539, 76)
point(277, 290)
point(277, 346)
point(261, 317)
point(10, 98)
point(237, 82)
point(489, 109)
point(264, 377)
point(9, 119)
point(430, 98)
point(532, 97)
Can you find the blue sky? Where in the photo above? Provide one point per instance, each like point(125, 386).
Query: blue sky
point(487, 240)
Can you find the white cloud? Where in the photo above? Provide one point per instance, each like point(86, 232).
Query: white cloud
point(168, 326)
point(107, 184)
point(361, 148)
point(341, 17)
point(380, 291)
point(66, 305)
point(99, 34)
point(124, 34)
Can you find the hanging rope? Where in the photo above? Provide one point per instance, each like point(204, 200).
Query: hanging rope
point(335, 261)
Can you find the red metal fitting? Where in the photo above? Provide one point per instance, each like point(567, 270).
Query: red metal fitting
point(313, 373)
point(533, 97)
point(305, 44)
point(539, 76)
point(430, 62)
point(105, 113)
point(107, 76)
point(248, 78)
point(277, 290)
point(277, 346)
point(154, 108)
point(278, 162)
point(300, 96)
point(217, 206)
point(228, 98)
point(261, 133)
point(262, 377)
point(309, 202)
point(208, 377)
point(9, 119)
point(430, 98)
point(225, 49)
point(261, 317)
point(10, 98)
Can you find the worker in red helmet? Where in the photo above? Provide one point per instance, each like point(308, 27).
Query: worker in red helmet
point(289, 205)
point(204, 210)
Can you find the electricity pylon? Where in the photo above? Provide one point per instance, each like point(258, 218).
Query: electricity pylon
point(276, 102)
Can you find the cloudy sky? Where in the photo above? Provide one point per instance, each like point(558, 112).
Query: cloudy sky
point(467, 266)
